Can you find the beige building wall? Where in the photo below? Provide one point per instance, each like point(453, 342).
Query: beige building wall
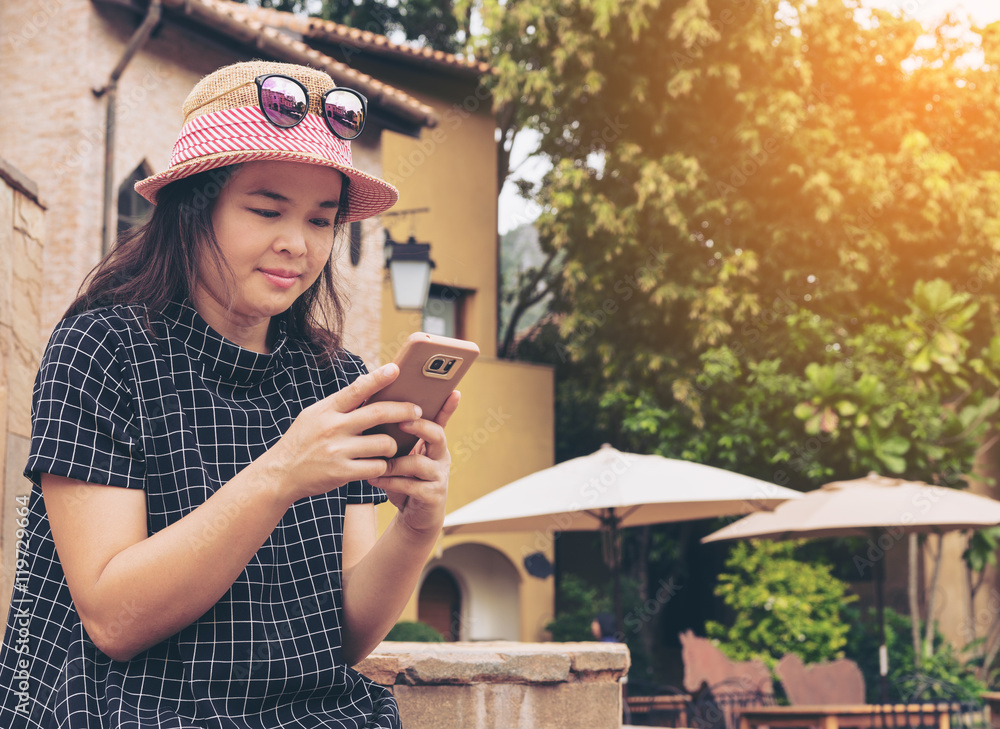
point(64, 149)
point(22, 239)
point(65, 152)
point(451, 173)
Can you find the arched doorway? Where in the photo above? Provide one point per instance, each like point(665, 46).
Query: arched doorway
point(488, 585)
point(439, 603)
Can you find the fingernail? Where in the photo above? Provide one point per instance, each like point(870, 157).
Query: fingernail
point(416, 411)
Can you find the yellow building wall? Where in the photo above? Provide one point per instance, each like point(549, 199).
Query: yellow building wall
point(504, 428)
point(502, 431)
point(454, 180)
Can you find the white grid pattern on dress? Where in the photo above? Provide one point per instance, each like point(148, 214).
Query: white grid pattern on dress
point(178, 413)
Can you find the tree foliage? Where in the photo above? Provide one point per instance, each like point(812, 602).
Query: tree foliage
point(578, 605)
point(779, 224)
point(432, 23)
point(945, 676)
point(780, 605)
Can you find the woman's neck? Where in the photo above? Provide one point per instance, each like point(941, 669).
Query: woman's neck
point(249, 332)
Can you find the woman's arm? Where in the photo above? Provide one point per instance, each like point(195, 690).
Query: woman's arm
point(380, 576)
point(133, 591)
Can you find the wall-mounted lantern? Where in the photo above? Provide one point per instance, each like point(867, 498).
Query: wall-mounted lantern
point(409, 267)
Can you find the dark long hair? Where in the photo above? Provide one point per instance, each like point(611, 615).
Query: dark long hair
point(156, 263)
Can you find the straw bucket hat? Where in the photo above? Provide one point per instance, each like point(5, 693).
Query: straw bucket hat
point(224, 125)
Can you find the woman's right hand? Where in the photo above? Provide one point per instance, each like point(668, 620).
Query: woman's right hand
point(324, 448)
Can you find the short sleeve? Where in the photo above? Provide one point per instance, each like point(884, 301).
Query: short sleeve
point(362, 492)
point(358, 492)
point(83, 422)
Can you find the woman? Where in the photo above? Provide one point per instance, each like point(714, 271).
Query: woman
point(200, 547)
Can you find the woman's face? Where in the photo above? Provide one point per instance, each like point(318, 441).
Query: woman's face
point(274, 224)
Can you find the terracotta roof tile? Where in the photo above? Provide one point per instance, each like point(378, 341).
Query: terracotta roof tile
point(232, 18)
point(327, 30)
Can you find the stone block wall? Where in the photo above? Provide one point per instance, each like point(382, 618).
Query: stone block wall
point(503, 685)
point(22, 232)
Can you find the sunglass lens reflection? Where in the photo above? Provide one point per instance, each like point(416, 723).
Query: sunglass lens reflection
point(284, 101)
point(346, 113)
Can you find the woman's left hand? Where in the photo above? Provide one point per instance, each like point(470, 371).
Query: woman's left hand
point(417, 484)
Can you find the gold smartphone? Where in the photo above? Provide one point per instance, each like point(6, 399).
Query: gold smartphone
point(430, 368)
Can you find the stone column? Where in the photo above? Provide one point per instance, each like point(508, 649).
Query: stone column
point(22, 219)
point(503, 685)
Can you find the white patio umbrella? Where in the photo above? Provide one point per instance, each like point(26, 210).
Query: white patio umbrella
point(609, 490)
point(869, 507)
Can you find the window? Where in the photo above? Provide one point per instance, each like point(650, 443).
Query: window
point(133, 208)
point(443, 314)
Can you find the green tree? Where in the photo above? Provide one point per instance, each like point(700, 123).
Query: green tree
point(741, 194)
point(778, 225)
point(579, 603)
point(525, 279)
point(780, 605)
point(432, 23)
point(945, 677)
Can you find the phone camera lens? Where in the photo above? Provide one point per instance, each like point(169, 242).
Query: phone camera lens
point(437, 364)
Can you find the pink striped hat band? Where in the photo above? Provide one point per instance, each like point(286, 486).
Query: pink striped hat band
point(246, 130)
point(243, 134)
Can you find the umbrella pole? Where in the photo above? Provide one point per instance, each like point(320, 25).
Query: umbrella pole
point(612, 543)
point(619, 611)
point(883, 653)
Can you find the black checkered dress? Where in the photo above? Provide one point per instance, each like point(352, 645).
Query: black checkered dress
point(179, 414)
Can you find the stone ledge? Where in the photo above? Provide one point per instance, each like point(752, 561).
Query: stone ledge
point(19, 181)
point(503, 685)
point(436, 664)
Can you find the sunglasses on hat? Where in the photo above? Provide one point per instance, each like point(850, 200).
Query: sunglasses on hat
point(285, 102)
